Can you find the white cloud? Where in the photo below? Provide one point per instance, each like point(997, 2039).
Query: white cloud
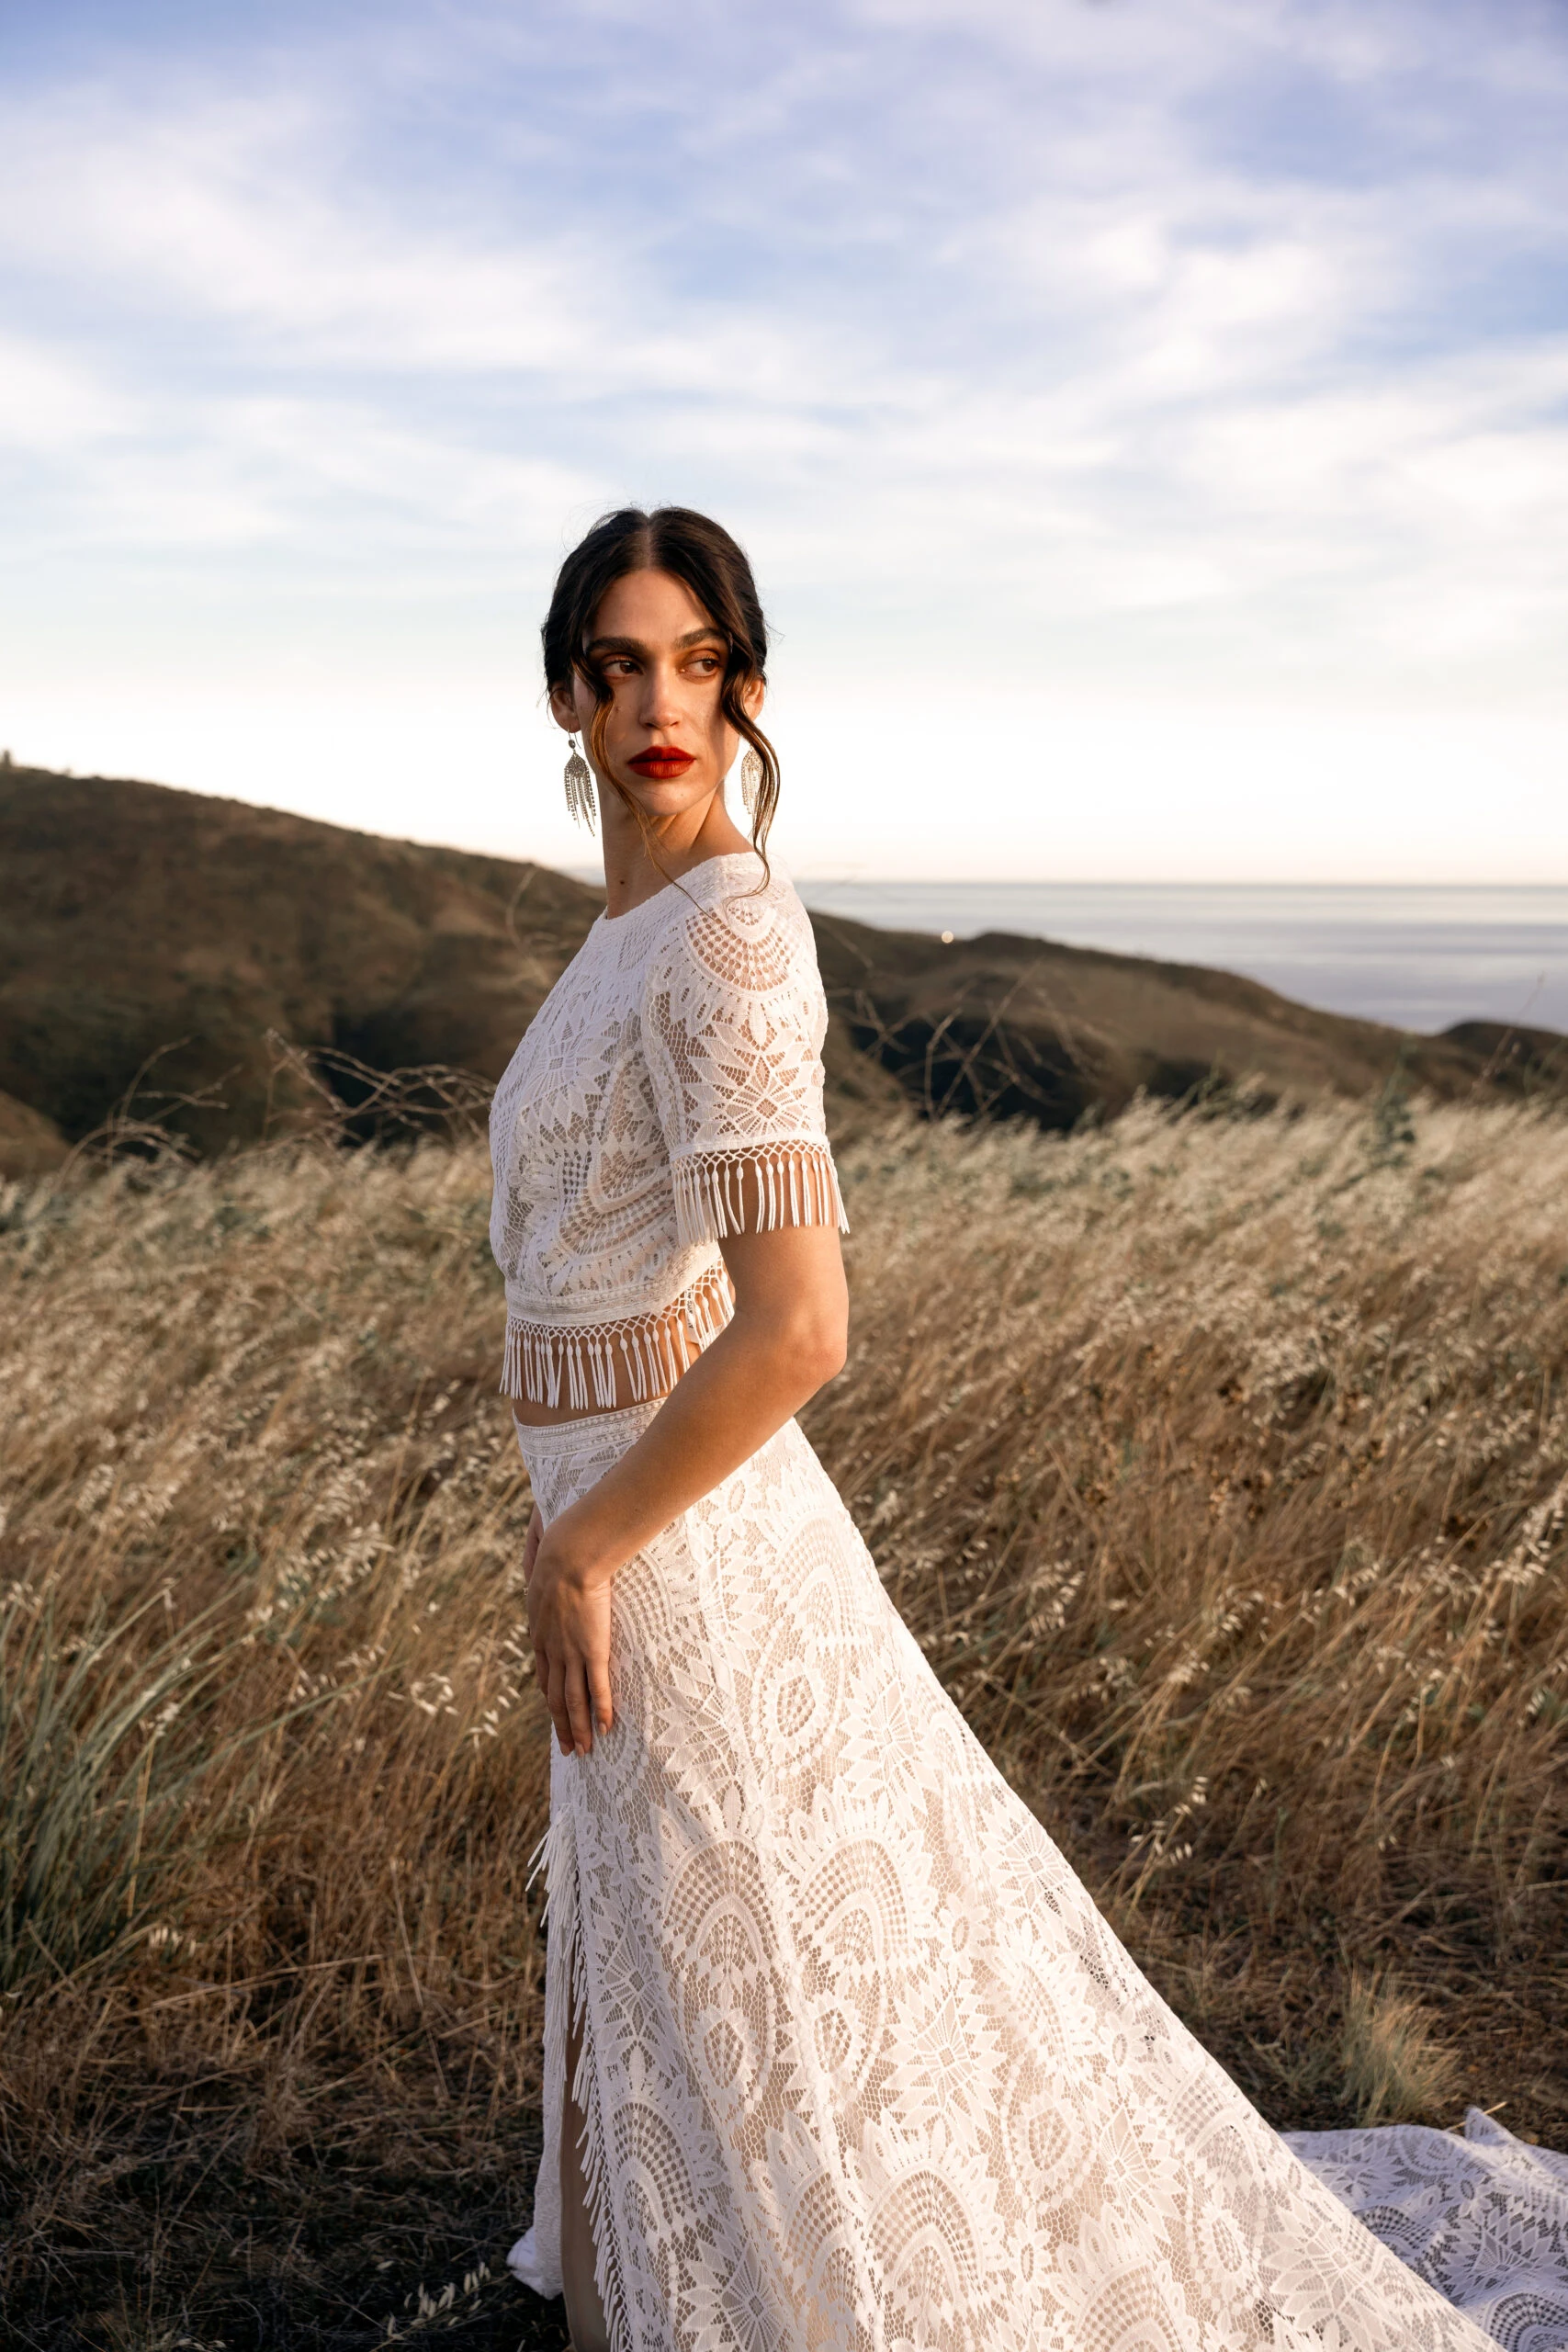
point(49, 403)
point(240, 220)
point(1198, 357)
point(222, 212)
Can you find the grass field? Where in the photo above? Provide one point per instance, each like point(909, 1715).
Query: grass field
point(1220, 1465)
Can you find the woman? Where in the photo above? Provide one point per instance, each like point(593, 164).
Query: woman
point(839, 2053)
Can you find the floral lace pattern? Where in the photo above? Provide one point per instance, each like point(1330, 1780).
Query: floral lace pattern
point(668, 1092)
point(862, 2065)
point(1484, 2217)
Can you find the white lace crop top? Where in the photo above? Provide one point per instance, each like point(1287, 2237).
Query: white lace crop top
point(667, 1093)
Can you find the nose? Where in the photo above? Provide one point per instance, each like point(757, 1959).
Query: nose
point(658, 705)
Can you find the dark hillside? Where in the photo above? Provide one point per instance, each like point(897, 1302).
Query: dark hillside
point(140, 923)
point(1015, 1025)
point(136, 918)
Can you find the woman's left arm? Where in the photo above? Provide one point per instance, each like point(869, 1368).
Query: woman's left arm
point(787, 1336)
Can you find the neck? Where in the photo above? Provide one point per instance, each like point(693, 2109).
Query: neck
point(678, 842)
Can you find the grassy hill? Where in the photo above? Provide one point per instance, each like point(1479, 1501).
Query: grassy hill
point(146, 930)
point(141, 922)
point(1009, 1025)
point(1219, 1464)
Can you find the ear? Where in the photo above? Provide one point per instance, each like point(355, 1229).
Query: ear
point(752, 695)
point(563, 709)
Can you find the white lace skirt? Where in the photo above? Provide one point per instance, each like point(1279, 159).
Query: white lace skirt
point(862, 2065)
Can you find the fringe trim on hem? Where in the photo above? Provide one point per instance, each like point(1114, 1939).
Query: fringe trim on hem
point(793, 1184)
point(655, 1348)
point(557, 1855)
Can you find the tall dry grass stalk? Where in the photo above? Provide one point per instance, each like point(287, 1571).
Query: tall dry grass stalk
point(1220, 1465)
point(1396, 2069)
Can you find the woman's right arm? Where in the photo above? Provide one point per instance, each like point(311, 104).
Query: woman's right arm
point(786, 1338)
point(733, 1020)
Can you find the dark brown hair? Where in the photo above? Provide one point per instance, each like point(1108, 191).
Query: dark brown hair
point(701, 554)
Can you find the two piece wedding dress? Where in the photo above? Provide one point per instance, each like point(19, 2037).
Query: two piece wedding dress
point(862, 2067)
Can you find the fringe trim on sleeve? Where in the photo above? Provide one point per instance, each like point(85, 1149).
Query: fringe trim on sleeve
point(756, 1189)
point(550, 1364)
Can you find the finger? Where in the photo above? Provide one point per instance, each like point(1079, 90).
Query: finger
point(577, 1706)
point(556, 1702)
point(599, 1690)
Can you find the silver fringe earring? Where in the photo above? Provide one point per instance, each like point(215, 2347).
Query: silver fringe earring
point(579, 797)
point(751, 780)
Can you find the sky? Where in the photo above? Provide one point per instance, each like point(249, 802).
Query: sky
point(1148, 419)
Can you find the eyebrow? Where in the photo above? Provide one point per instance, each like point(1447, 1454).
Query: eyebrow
point(635, 645)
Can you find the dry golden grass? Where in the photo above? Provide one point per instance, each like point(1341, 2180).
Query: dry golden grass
point(1221, 1465)
point(1396, 2069)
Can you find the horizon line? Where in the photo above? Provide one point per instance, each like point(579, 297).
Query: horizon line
point(1155, 882)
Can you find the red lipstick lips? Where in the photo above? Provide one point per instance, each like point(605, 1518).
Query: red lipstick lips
point(661, 762)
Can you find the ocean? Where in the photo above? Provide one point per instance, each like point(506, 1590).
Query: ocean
point(1419, 956)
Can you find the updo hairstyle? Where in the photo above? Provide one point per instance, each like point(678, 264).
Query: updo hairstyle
point(701, 554)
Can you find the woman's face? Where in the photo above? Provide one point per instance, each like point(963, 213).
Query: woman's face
point(666, 741)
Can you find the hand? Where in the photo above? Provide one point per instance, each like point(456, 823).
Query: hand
point(568, 1617)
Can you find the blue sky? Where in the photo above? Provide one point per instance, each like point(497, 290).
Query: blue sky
point(1148, 418)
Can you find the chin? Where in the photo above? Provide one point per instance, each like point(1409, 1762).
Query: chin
point(658, 801)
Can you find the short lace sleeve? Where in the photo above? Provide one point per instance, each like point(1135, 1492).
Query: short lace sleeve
point(733, 1020)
